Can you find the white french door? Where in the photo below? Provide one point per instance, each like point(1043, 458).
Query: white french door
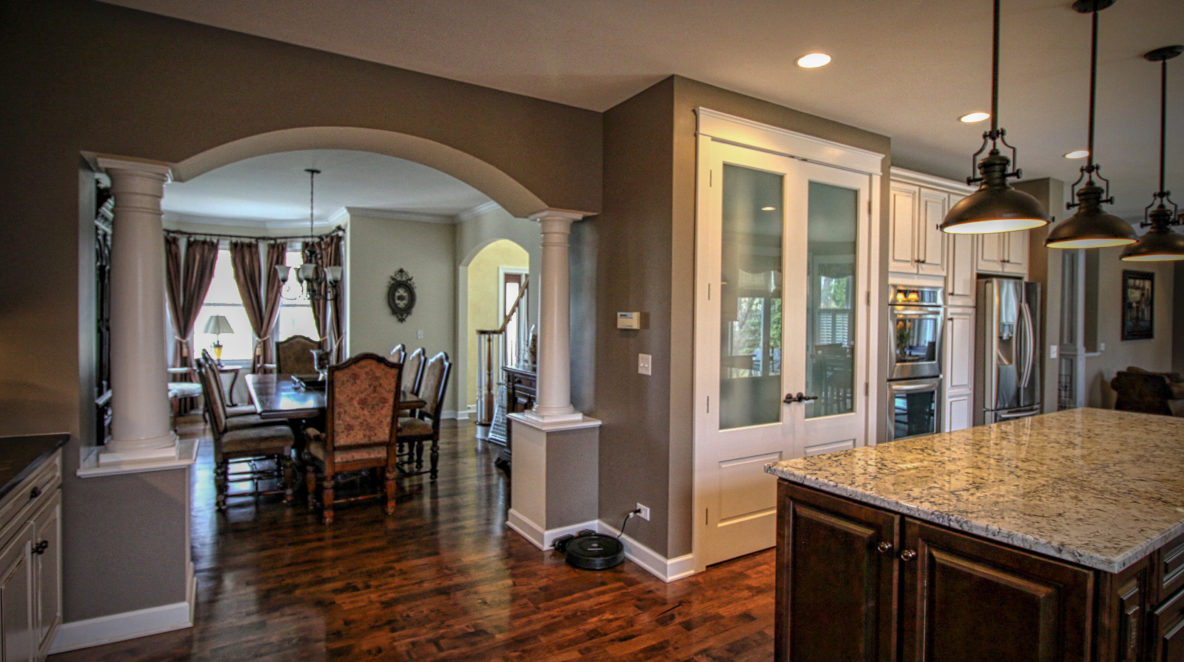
point(781, 333)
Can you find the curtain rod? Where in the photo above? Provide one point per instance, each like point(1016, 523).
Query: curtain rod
point(239, 237)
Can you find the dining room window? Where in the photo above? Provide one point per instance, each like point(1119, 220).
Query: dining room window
point(295, 316)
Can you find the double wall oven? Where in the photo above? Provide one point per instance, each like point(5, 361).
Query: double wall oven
point(916, 318)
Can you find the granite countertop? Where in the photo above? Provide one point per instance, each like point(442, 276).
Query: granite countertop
point(1097, 487)
point(20, 455)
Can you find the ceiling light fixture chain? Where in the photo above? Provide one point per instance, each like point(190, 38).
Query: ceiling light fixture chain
point(1090, 168)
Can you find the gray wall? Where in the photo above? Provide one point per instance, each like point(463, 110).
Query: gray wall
point(646, 235)
point(85, 76)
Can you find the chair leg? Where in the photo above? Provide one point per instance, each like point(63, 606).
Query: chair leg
point(418, 455)
point(310, 482)
point(327, 500)
point(435, 458)
point(390, 490)
point(288, 474)
point(220, 483)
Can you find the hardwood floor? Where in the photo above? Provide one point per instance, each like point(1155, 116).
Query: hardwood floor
point(442, 578)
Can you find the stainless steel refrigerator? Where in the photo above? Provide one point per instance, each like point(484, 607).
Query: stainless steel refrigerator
point(1007, 350)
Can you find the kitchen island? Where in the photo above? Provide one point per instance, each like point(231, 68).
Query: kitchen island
point(1054, 537)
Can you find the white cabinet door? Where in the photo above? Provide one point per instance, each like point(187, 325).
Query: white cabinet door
point(47, 570)
point(958, 368)
point(902, 247)
point(17, 635)
point(931, 241)
point(957, 412)
point(992, 252)
point(1017, 253)
point(960, 281)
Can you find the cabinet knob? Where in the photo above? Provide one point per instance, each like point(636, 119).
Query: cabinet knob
point(908, 555)
point(40, 547)
point(884, 547)
point(35, 493)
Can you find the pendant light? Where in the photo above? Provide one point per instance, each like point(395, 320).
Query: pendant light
point(1091, 226)
point(1160, 244)
point(995, 206)
point(317, 281)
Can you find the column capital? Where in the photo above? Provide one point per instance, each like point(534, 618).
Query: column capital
point(559, 214)
point(134, 166)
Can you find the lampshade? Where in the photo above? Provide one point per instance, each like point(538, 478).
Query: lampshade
point(995, 206)
point(218, 324)
point(1158, 245)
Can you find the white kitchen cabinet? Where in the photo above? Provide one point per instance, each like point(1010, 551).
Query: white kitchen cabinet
point(960, 269)
point(31, 562)
point(918, 246)
point(1003, 254)
point(958, 369)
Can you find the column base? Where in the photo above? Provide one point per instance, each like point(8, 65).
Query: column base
point(561, 416)
point(139, 450)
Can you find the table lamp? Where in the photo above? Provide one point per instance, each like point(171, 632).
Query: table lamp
point(218, 324)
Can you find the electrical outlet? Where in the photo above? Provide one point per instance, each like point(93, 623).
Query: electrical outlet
point(1052, 351)
point(645, 364)
point(645, 512)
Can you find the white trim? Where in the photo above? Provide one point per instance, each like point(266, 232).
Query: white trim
point(396, 215)
point(747, 133)
point(543, 539)
point(474, 212)
point(668, 570)
point(932, 181)
point(576, 421)
point(129, 624)
point(182, 456)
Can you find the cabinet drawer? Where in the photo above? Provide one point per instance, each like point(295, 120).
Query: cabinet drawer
point(29, 494)
point(1171, 567)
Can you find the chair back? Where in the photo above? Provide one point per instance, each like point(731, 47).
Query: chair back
point(293, 355)
point(413, 370)
point(363, 402)
point(1142, 392)
point(211, 393)
point(399, 353)
point(435, 385)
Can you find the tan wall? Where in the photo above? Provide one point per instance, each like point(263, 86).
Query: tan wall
point(483, 288)
point(646, 236)
point(86, 76)
point(1151, 354)
point(378, 247)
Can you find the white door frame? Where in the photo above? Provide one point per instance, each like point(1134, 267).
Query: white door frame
point(714, 126)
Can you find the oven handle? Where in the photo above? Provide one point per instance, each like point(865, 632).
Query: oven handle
point(910, 388)
point(1030, 335)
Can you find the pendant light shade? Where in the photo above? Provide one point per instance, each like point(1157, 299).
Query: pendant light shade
point(995, 206)
point(1091, 226)
point(1160, 244)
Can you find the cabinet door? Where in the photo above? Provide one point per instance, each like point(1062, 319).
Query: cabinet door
point(957, 412)
point(1016, 262)
point(47, 570)
point(931, 241)
point(1167, 626)
point(992, 251)
point(17, 638)
point(959, 350)
point(835, 565)
point(902, 249)
point(971, 600)
point(960, 269)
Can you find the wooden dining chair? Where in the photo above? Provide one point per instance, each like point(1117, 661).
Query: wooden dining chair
point(362, 398)
point(424, 425)
point(413, 371)
point(231, 411)
point(399, 353)
point(264, 447)
point(293, 355)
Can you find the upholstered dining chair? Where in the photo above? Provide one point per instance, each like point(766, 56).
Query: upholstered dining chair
point(207, 362)
point(399, 353)
point(264, 447)
point(362, 398)
point(424, 426)
point(413, 371)
point(293, 356)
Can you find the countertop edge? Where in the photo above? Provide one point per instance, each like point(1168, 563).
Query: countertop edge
point(59, 440)
point(995, 534)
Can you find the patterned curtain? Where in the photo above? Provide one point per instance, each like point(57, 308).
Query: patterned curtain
point(188, 274)
point(261, 302)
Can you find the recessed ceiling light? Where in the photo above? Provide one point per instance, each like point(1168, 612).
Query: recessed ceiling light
point(768, 208)
point(1077, 154)
point(813, 60)
point(976, 116)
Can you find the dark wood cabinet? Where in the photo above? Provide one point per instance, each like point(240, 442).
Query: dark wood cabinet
point(857, 582)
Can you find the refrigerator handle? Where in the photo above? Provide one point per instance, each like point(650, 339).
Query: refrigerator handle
point(1029, 340)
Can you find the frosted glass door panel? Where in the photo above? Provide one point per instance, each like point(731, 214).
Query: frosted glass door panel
point(750, 298)
point(832, 231)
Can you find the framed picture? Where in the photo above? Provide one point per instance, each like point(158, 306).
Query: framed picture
point(1138, 305)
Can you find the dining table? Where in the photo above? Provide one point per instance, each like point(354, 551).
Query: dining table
point(284, 396)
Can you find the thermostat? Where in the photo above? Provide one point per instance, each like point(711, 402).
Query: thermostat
point(629, 320)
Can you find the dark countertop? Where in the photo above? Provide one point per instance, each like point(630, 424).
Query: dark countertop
point(20, 455)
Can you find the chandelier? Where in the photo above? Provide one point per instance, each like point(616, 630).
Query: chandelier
point(316, 282)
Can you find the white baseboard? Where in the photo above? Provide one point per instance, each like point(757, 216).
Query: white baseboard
point(668, 570)
point(128, 625)
point(543, 539)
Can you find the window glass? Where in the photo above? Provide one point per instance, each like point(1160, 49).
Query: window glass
point(295, 316)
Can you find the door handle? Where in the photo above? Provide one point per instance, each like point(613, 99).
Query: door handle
point(791, 398)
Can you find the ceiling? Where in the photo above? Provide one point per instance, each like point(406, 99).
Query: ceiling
point(905, 69)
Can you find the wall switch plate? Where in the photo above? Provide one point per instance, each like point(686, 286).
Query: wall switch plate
point(419, 334)
point(645, 512)
point(644, 364)
point(1101, 347)
point(1052, 351)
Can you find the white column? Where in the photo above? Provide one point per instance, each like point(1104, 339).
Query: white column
point(553, 402)
point(140, 428)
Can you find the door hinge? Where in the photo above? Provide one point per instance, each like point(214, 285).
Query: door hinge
point(710, 178)
point(709, 404)
point(867, 299)
point(867, 389)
